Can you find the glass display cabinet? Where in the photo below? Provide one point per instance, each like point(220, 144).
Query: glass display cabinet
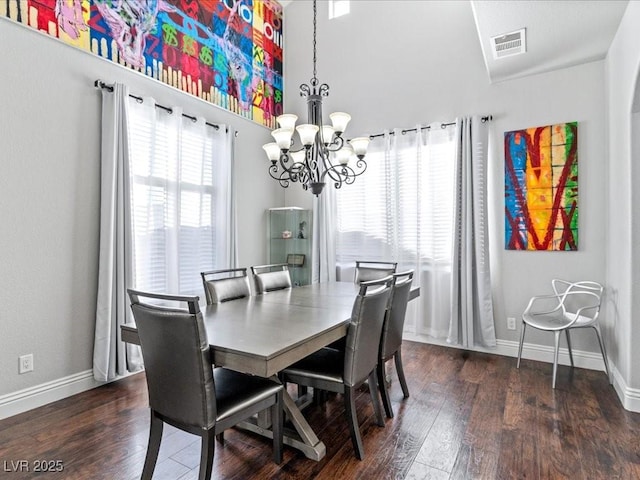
point(290, 241)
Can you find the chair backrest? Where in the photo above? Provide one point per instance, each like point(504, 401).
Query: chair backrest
point(234, 284)
point(271, 277)
point(394, 320)
point(584, 296)
point(175, 351)
point(363, 338)
point(367, 271)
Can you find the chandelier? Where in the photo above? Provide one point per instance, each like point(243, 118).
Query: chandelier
point(324, 155)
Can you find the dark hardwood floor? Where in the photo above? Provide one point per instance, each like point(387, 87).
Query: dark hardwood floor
point(470, 415)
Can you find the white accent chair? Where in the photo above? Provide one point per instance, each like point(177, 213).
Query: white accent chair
point(573, 305)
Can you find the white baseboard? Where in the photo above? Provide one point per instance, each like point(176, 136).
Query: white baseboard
point(629, 397)
point(544, 353)
point(39, 395)
point(540, 353)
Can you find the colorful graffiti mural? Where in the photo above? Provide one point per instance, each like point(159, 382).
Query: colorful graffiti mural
point(227, 52)
point(541, 188)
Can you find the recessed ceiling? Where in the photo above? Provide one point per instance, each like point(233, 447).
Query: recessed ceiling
point(559, 34)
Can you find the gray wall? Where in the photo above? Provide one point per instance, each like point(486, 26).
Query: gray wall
point(399, 63)
point(623, 223)
point(392, 64)
point(49, 198)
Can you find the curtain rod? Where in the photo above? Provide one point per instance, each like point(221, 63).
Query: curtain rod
point(487, 118)
point(100, 84)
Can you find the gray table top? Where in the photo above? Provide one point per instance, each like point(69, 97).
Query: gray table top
point(264, 334)
point(267, 325)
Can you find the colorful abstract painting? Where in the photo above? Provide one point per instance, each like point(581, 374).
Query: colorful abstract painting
point(227, 52)
point(541, 188)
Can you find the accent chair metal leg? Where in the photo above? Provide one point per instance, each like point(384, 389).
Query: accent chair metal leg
point(373, 391)
point(206, 455)
point(403, 381)
point(569, 347)
point(555, 357)
point(155, 437)
point(524, 327)
point(352, 419)
point(604, 352)
point(384, 393)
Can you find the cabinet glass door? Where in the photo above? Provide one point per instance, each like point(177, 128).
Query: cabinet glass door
point(290, 241)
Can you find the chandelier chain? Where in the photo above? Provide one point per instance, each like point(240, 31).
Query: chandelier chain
point(315, 78)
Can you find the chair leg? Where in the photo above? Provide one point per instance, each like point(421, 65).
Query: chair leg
point(206, 455)
point(400, 370)
point(555, 357)
point(373, 391)
point(155, 436)
point(319, 396)
point(524, 327)
point(569, 347)
point(602, 349)
point(384, 393)
point(277, 419)
point(352, 419)
point(302, 390)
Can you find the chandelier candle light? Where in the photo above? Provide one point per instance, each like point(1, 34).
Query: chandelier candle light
point(324, 154)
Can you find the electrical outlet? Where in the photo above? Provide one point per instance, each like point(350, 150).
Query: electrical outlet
point(25, 363)
point(511, 323)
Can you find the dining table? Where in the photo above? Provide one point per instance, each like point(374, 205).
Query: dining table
point(264, 334)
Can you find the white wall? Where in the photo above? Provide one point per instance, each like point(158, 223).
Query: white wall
point(623, 227)
point(399, 63)
point(49, 198)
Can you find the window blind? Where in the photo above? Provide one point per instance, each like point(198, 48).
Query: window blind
point(174, 204)
point(402, 207)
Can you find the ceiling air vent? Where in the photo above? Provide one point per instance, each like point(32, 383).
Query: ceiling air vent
point(508, 44)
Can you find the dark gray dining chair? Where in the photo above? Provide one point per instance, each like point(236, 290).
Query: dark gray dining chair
point(224, 285)
point(185, 390)
point(271, 277)
point(391, 338)
point(371, 270)
point(343, 371)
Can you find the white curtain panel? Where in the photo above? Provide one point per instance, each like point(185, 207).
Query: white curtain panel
point(401, 209)
point(182, 199)
point(472, 321)
point(421, 179)
point(324, 233)
point(227, 196)
point(111, 357)
point(167, 213)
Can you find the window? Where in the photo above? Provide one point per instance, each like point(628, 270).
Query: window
point(179, 170)
point(402, 207)
point(337, 8)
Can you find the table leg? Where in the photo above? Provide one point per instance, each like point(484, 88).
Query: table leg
point(302, 438)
